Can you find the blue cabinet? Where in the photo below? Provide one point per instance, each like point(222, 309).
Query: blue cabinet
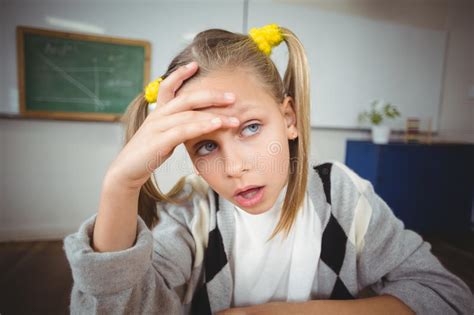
point(430, 187)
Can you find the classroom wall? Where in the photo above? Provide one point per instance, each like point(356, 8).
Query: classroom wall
point(457, 110)
point(2, 93)
point(51, 171)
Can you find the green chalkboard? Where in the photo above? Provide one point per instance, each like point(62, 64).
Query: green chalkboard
point(79, 76)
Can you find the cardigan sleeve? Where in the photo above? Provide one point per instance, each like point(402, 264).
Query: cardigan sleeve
point(396, 261)
point(155, 275)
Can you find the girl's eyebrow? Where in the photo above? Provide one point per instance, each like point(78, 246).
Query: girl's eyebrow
point(246, 107)
point(249, 109)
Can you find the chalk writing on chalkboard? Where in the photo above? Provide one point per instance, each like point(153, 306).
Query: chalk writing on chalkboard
point(76, 76)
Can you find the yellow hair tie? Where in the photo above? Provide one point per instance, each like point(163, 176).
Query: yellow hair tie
point(266, 37)
point(151, 90)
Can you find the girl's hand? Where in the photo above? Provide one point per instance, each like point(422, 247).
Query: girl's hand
point(172, 122)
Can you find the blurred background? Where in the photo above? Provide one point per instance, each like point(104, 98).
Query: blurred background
point(415, 54)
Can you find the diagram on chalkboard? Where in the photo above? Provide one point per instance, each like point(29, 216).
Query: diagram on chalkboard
point(76, 76)
point(93, 96)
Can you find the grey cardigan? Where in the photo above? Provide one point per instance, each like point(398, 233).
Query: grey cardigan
point(184, 265)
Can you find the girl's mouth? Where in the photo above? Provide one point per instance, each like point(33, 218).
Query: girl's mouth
point(250, 197)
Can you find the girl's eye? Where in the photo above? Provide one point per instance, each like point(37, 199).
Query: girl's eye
point(252, 128)
point(206, 148)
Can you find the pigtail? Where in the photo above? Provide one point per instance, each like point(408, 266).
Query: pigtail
point(296, 85)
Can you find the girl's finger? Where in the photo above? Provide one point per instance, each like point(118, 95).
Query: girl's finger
point(175, 136)
point(165, 123)
point(196, 100)
point(171, 84)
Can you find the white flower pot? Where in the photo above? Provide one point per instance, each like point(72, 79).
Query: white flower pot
point(380, 134)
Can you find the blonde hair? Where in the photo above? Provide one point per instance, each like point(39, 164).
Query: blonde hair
point(217, 49)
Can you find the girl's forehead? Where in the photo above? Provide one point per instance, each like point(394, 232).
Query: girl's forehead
point(242, 83)
point(238, 109)
point(250, 95)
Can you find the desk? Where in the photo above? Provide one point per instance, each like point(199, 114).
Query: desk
point(430, 187)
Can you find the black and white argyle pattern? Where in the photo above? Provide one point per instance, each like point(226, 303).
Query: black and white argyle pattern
point(334, 240)
point(215, 259)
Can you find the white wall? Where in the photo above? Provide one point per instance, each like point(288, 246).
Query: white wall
point(457, 111)
point(2, 54)
point(51, 171)
point(52, 174)
point(2, 100)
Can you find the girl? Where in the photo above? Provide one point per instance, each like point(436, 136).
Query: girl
point(258, 229)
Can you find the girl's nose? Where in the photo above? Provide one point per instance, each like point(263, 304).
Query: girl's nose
point(235, 165)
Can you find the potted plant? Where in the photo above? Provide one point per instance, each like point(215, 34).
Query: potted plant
point(379, 112)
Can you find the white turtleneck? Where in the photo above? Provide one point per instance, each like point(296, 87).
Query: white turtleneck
point(280, 269)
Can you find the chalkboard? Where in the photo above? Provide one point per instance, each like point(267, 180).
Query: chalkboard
point(76, 76)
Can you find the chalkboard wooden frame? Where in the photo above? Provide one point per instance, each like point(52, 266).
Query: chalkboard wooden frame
point(65, 115)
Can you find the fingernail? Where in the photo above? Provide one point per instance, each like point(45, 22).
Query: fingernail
point(229, 96)
point(216, 120)
point(190, 65)
point(233, 120)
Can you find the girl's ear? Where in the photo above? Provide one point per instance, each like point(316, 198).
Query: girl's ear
point(287, 109)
